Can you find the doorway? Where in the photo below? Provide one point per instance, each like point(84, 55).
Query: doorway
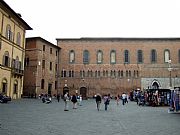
point(155, 85)
point(83, 92)
point(49, 89)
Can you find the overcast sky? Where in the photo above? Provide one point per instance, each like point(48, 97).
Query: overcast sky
point(51, 19)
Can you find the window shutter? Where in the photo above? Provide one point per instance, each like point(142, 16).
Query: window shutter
point(19, 65)
point(8, 62)
point(3, 63)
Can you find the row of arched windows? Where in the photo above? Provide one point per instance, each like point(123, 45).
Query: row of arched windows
point(104, 73)
point(9, 35)
point(4, 86)
point(140, 58)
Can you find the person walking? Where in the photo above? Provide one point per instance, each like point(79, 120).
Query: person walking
point(58, 97)
point(80, 100)
point(74, 100)
point(98, 101)
point(66, 100)
point(106, 101)
point(123, 98)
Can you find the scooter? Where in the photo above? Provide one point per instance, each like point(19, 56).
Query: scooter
point(46, 100)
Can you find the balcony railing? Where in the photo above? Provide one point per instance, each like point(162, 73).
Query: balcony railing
point(17, 71)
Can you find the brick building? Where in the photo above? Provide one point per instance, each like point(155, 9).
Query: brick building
point(115, 65)
point(41, 67)
point(12, 51)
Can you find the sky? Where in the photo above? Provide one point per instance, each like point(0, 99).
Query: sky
point(52, 19)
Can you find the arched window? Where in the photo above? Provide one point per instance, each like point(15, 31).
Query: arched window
point(86, 57)
point(111, 73)
point(122, 73)
point(140, 56)
point(129, 73)
point(126, 56)
point(18, 39)
point(134, 73)
point(113, 57)
point(71, 56)
point(166, 56)
point(88, 73)
point(82, 73)
point(8, 32)
point(4, 86)
point(99, 57)
point(72, 73)
point(126, 73)
point(137, 72)
point(96, 75)
point(99, 73)
point(153, 56)
point(106, 73)
point(114, 73)
point(6, 59)
point(119, 73)
point(63, 73)
point(91, 73)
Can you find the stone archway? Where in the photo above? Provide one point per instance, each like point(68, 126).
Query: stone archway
point(155, 85)
point(83, 92)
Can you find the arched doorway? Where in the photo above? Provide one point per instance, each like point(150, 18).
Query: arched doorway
point(83, 92)
point(65, 89)
point(155, 85)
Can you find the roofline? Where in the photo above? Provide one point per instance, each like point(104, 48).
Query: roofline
point(42, 39)
point(15, 14)
point(119, 39)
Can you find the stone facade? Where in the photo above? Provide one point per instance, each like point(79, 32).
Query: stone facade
point(12, 51)
point(41, 67)
point(125, 64)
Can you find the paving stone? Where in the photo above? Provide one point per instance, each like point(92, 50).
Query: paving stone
point(32, 117)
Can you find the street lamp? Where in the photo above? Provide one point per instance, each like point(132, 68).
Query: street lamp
point(170, 69)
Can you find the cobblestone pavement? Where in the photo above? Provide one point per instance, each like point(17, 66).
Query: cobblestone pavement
point(32, 117)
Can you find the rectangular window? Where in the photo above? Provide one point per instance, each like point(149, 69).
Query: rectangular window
point(50, 50)
point(56, 53)
point(44, 47)
point(42, 84)
point(56, 68)
point(55, 84)
point(15, 88)
point(50, 66)
point(140, 56)
point(69, 73)
point(43, 64)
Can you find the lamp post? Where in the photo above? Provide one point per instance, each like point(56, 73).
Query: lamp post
point(65, 83)
point(170, 69)
point(170, 83)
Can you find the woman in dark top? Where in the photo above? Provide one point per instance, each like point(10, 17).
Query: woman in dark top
point(74, 100)
point(98, 101)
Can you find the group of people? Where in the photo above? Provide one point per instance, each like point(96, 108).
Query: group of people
point(106, 100)
point(75, 99)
